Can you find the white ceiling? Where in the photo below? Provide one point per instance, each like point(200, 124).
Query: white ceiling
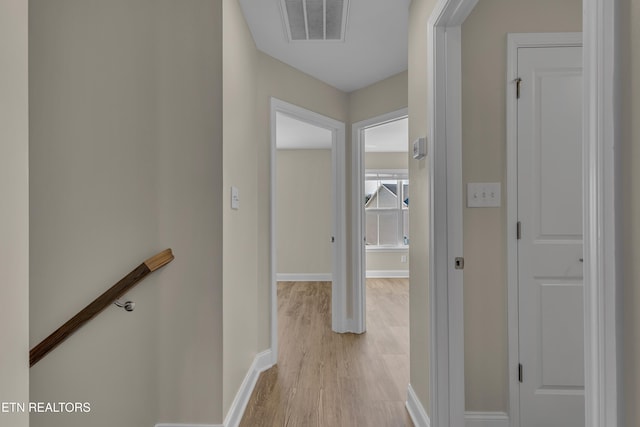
point(391, 137)
point(295, 134)
point(375, 46)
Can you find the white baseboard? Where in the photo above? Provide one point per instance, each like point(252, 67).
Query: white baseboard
point(189, 425)
point(385, 274)
point(486, 419)
point(304, 277)
point(416, 410)
point(262, 362)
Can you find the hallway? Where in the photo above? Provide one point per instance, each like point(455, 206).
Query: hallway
point(329, 379)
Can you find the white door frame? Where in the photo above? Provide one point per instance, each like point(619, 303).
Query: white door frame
point(359, 324)
point(446, 302)
point(515, 41)
point(601, 100)
point(339, 283)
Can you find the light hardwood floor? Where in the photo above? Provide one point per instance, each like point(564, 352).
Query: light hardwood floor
point(324, 379)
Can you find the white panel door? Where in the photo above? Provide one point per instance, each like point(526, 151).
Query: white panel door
point(550, 284)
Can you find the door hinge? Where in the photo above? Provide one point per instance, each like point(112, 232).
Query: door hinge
point(518, 82)
point(519, 230)
point(520, 374)
point(459, 263)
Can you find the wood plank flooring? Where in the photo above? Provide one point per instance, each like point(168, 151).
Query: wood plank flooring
point(324, 379)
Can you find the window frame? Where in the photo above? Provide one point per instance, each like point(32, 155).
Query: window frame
point(400, 176)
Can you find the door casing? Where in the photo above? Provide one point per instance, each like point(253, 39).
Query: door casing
point(359, 324)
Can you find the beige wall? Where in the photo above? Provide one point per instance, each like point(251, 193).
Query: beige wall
point(240, 163)
point(419, 13)
point(386, 161)
point(483, 135)
point(630, 227)
point(371, 101)
point(114, 86)
point(390, 260)
point(304, 211)
point(381, 260)
point(379, 98)
point(189, 161)
point(92, 204)
point(14, 227)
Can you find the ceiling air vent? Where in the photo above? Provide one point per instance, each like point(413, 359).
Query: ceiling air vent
point(315, 20)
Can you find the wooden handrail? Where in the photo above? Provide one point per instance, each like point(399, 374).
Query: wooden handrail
point(103, 301)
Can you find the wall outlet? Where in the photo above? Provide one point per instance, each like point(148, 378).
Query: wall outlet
point(483, 195)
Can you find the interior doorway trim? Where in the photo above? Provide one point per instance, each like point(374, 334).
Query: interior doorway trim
point(338, 287)
point(515, 41)
point(601, 101)
point(446, 302)
point(600, 209)
point(358, 325)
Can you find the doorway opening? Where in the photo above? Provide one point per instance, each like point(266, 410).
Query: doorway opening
point(302, 141)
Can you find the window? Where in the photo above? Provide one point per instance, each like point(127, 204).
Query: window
point(386, 207)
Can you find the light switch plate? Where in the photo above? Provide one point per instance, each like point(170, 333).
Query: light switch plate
point(235, 198)
point(483, 195)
